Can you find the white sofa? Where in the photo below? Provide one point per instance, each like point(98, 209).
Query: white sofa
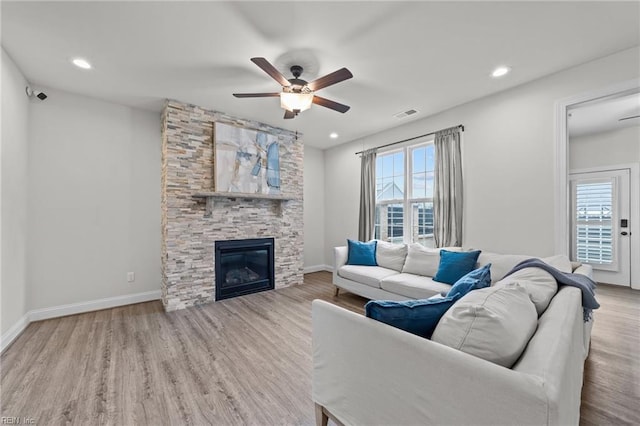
point(368, 373)
point(399, 280)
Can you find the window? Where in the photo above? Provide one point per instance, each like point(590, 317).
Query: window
point(404, 194)
point(593, 221)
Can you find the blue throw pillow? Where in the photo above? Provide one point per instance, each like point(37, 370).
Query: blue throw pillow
point(418, 317)
point(476, 279)
point(362, 253)
point(455, 265)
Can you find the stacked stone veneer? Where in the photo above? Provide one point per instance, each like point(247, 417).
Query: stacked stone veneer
point(188, 236)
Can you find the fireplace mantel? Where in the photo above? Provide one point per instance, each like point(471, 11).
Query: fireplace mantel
point(242, 195)
point(210, 198)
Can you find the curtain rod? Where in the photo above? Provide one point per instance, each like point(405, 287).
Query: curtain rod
point(410, 139)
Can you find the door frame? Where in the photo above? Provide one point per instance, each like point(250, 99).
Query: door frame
point(634, 212)
point(561, 188)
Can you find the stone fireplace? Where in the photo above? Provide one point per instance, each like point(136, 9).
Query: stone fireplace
point(192, 223)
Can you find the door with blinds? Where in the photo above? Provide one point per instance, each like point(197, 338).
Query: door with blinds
point(600, 224)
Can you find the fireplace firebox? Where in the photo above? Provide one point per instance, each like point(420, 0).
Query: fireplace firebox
point(244, 267)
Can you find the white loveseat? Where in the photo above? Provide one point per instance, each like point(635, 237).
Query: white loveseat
point(368, 373)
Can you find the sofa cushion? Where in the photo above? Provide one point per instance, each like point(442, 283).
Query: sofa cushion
point(540, 285)
point(414, 316)
point(493, 323)
point(391, 256)
point(421, 260)
point(474, 280)
point(500, 263)
point(362, 253)
point(413, 286)
point(454, 265)
point(369, 275)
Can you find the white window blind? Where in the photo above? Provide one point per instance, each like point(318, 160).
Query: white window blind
point(594, 221)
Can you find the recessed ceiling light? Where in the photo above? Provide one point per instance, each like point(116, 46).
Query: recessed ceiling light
point(333, 135)
point(81, 63)
point(500, 71)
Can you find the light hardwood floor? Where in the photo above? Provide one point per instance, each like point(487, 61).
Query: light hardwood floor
point(240, 361)
point(611, 390)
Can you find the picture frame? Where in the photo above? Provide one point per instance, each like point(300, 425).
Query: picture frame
point(246, 160)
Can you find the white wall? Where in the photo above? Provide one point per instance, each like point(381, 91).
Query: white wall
point(621, 146)
point(94, 200)
point(13, 225)
point(314, 205)
point(508, 152)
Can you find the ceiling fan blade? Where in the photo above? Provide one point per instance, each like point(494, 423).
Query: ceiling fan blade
point(329, 79)
point(330, 104)
point(289, 114)
point(271, 70)
point(256, 95)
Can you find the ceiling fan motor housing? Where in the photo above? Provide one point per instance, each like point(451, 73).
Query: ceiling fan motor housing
point(296, 70)
point(296, 82)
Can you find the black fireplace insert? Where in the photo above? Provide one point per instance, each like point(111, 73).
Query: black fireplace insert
point(244, 267)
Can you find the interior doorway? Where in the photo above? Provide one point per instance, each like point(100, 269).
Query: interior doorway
point(598, 152)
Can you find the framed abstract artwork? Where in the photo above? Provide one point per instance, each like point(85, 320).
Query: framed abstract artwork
point(245, 160)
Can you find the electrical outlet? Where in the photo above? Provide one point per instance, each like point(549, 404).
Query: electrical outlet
point(131, 277)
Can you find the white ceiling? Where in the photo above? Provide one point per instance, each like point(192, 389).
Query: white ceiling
point(428, 56)
point(604, 115)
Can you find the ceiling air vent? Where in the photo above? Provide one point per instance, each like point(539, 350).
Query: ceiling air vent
point(406, 113)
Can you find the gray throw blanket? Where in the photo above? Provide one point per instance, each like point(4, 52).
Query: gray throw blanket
point(583, 282)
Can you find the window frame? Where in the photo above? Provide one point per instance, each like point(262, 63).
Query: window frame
point(408, 200)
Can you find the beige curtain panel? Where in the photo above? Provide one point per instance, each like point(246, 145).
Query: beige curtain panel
point(447, 191)
point(367, 195)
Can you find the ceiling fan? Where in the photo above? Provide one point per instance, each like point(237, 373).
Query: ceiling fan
point(297, 95)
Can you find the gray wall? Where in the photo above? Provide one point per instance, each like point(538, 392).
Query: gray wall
point(509, 160)
point(314, 205)
point(14, 183)
point(94, 200)
point(621, 146)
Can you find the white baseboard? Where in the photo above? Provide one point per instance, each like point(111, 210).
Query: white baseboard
point(16, 330)
point(92, 305)
point(71, 309)
point(318, 268)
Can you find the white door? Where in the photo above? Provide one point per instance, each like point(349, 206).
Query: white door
point(600, 230)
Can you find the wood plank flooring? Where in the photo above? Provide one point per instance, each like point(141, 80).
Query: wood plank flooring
point(611, 389)
point(240, 361)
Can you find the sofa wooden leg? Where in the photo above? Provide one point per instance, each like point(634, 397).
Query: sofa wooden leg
point(321, 417)
point(337, 292)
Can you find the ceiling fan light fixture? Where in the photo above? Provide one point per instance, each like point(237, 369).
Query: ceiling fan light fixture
point(297, 95)
point(296, 101)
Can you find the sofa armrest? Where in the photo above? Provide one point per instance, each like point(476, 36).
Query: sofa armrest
point(340, 255)
point(366, 372)
point(587, 270)
point(584, 269)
